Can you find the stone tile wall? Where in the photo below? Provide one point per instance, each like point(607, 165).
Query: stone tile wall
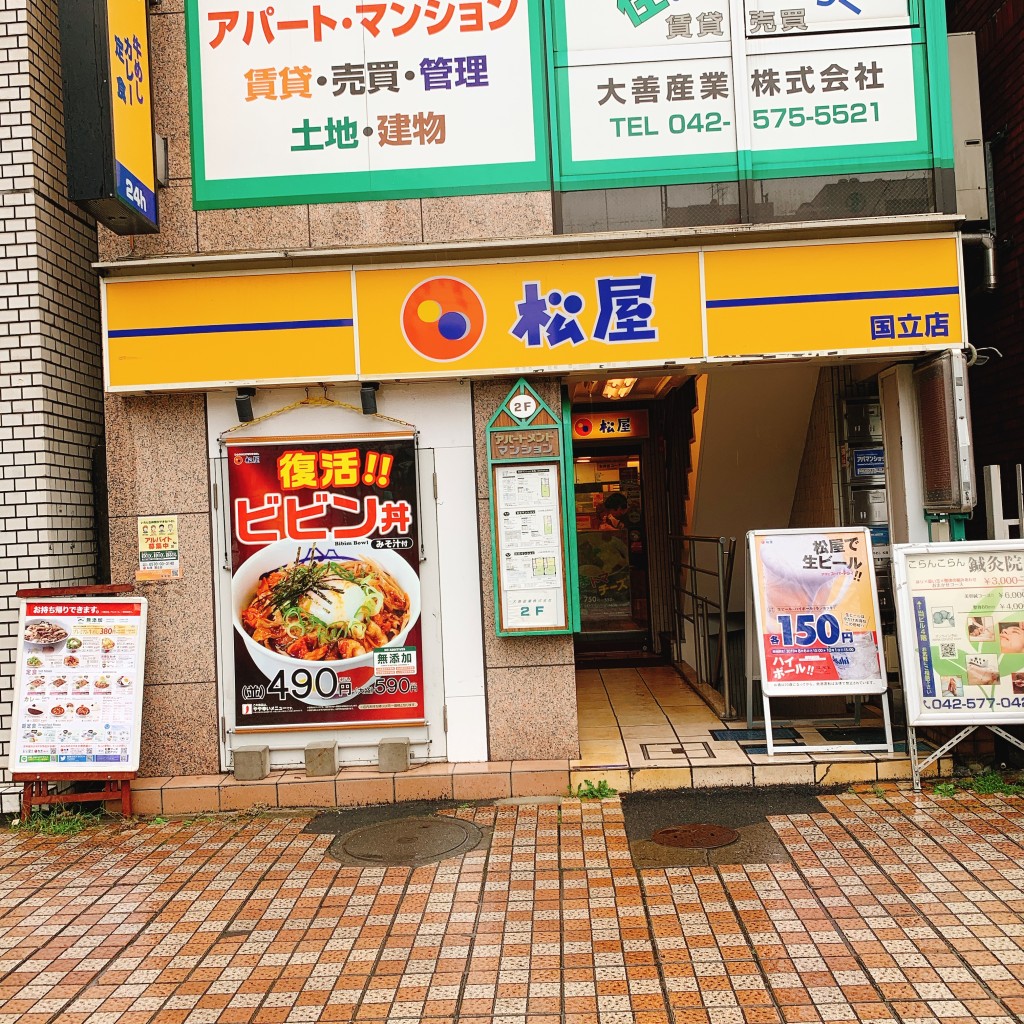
point(531, 681)
point(157, 465)
point(51, 396)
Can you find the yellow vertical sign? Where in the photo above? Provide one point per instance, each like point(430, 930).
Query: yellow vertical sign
point(131, 106)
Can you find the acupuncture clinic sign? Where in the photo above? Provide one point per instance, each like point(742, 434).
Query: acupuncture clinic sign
point(961, 628)
point(360, 100)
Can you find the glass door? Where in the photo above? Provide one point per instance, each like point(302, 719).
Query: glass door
point(612, 550)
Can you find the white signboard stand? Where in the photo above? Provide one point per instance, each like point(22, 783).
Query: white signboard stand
point(817, 621)
point(960, 611)
point(78, 695)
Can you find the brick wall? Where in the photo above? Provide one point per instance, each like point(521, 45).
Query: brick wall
point(997, 409)
point(51, 401)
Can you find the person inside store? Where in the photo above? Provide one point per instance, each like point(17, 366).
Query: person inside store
point(613, 511)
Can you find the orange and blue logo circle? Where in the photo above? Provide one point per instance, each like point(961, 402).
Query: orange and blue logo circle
point(443, 319)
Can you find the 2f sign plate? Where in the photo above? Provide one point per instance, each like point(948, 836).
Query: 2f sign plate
point(523, 406)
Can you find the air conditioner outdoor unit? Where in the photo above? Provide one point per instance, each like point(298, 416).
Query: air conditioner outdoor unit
point(944, 409)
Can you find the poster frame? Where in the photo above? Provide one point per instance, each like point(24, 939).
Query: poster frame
point(230, 695)
point(84, 770)
point(917, 715)
point(769, 690)
point(503, 628)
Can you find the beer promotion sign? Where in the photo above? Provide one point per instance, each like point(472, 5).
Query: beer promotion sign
point(325, 588)
point(817, 612)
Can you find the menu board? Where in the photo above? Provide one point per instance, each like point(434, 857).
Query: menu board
point(530, 556)
point(960, 612)
point(816, 607)
point(78, 685)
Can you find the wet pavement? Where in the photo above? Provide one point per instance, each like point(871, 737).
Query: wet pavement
point(888, 907)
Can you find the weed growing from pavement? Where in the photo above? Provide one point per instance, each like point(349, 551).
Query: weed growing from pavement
point(989, 783)
point(59, 822)
point(588, 790)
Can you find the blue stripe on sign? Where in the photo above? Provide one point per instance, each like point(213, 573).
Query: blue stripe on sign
point(274, 325)
point(135, 194)
point(787, 300)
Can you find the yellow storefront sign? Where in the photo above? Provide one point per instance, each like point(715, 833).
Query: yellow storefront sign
point(529, 316)
point(836, 297)
point(606, 313)
point(197, 331)
point(131, 105)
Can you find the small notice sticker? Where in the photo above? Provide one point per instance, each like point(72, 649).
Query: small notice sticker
point(394, 661)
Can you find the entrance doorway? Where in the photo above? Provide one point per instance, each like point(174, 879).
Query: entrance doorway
point(630, 465)
point(611, 540)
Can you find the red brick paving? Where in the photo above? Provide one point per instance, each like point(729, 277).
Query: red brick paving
point(897, 908)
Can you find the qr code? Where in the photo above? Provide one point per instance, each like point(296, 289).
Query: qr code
point(948, 651)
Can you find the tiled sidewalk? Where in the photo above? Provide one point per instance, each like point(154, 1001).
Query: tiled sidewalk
point(646, 728)
point(640, 729)
point(897, 908)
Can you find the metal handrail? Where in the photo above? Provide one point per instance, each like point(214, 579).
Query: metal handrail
point(692, 606)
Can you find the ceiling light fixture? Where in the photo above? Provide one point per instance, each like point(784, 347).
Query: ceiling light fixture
point(619, 388)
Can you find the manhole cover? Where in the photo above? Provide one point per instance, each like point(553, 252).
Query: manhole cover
point(696, 837)
point(406, 841)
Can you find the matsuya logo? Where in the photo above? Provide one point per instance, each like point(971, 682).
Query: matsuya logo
point(443, 319)
point(246, 458)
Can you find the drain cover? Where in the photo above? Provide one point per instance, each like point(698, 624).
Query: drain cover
point(406, 841)
point(696, 837)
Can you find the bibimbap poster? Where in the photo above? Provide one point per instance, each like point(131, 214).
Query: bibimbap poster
point(325, 589)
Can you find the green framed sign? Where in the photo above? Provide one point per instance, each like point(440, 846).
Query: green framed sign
point(526, 470)
point(652, 93)
point(344, 101)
